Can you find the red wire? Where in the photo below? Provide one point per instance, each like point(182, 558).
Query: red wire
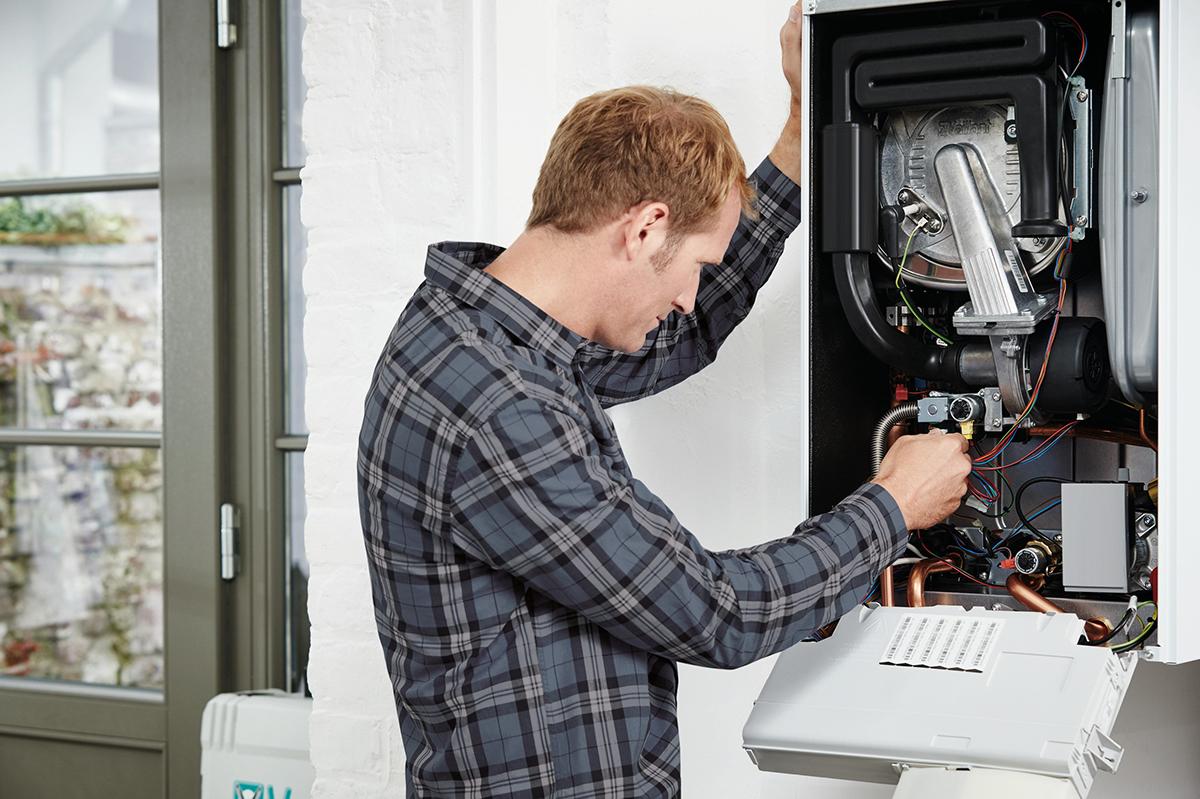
point(1057, 434)
point(1078, 29)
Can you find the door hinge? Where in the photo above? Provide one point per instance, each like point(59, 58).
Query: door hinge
point(230, 524)
point(226, 30)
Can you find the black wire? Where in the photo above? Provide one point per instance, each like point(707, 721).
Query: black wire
point(1143, 635)
point(1128, 617)
point(1021, 513)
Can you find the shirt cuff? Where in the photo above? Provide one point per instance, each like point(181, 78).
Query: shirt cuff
point(778, 197)
point(884, 518)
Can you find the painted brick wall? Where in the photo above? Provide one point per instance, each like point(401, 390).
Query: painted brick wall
point(427, 120)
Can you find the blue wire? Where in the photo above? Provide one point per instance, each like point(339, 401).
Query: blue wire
point(874, 585)
point(1038, 513)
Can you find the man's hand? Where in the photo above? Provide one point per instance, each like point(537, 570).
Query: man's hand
point(786, 153)
point(926, 475)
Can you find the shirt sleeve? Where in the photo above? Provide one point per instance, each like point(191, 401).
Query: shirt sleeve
point(532, 496)
point(684, 344)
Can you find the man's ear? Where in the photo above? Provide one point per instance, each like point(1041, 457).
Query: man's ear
point(644, 229)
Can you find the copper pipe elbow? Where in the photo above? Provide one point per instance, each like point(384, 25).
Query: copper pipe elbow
point(919, 574)
point(1027, 594)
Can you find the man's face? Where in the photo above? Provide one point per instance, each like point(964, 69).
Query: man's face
point(664, 282)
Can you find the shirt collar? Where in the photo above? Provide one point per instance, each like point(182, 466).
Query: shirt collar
point(457, 268)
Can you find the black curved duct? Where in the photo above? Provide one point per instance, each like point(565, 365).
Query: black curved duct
point(981, 61)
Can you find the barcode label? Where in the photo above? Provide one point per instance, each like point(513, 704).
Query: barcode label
point(942, 642)
point(1018, 270)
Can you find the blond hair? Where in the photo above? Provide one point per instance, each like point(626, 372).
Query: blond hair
point(618, 148)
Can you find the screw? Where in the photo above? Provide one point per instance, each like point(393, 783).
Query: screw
point(996, 422)
point(995, 396)
point(1010, 130)
point(1146, 522)
point(932, 409)
point(1139, 195)
point(1081, 95)
point(904, 196)
point(1081, 220)
point(1058, 538)
point(998, 606)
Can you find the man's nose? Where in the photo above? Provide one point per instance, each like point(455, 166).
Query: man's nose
point(685, 303)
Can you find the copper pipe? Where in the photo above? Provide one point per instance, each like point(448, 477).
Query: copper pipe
point(919, 574)
point(1142, 430)
point(1094, 433)
point(887, 588)
point(1027, 594)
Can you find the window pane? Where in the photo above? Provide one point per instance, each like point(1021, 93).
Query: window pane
point(293, 84)
point(81, 564)
point(80, 316)
point(293, 312)
point(297, 573)
point(80, 88)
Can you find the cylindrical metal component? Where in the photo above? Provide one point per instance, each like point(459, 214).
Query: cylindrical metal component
point(976, 365)
point(887, 588)
point(967, 408)
point(1031, 560)
point(1027, 594)
point(919, 574)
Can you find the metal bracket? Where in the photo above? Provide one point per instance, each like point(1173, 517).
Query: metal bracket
point(1079, 101)
point(226, 30)
point(230, 525)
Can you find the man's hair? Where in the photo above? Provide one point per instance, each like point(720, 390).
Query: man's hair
point(618, 148)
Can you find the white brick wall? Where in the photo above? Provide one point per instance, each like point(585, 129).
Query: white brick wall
point(427, 120)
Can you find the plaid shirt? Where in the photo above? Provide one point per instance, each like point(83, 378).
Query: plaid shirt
point(531, 595)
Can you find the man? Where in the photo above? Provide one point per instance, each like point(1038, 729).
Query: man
point(532, 596)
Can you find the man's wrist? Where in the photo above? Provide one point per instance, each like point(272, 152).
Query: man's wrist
point(785, 155)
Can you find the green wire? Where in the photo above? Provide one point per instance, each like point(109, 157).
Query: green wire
point(904, 296)
point(1147, 628)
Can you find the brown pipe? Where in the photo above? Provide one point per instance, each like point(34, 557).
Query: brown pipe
point(1142, 430)
point(1094, 433)
point(1027, 594)
point(887, 588)
point(919, 574)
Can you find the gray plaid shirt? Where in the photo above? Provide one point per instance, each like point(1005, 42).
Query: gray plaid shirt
point(532, 596)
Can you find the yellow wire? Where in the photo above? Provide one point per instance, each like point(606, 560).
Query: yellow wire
point(904, 296)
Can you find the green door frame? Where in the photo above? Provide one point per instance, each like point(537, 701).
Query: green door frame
point(197, 653)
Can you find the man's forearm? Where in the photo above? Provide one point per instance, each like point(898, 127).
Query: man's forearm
point(785, 155)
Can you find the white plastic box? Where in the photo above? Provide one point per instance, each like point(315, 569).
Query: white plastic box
point(255, 746)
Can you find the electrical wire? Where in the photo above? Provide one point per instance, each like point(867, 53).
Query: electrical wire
point(1147, 628)
point(1026, 520)
point(968, 575)
point(1117, 628)
point(1049, 506)
point(904, 296)
point(1007, 438)
point(1037, 452)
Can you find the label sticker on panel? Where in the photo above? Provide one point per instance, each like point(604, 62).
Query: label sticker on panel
point(933, 641)
point(1018, 270)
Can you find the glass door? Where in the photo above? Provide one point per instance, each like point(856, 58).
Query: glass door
point(109, 421)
